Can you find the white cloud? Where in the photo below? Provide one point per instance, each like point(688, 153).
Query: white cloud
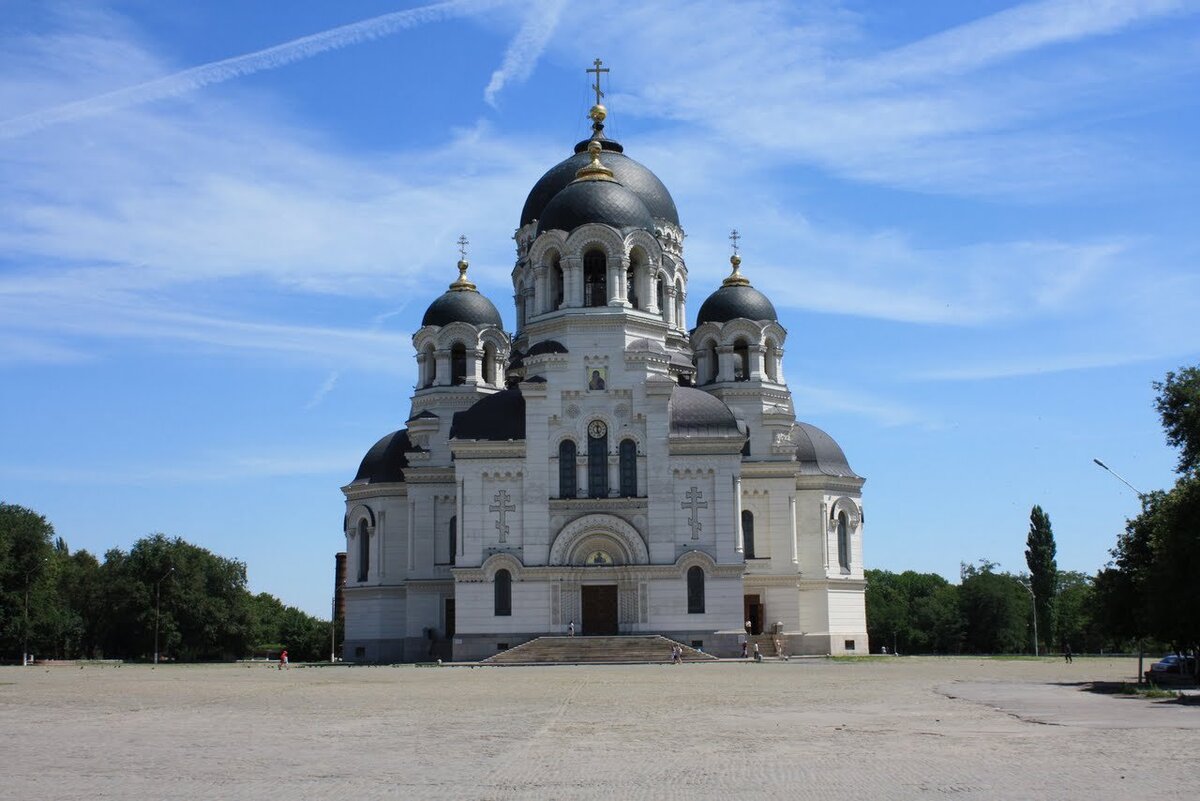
point(526, 47)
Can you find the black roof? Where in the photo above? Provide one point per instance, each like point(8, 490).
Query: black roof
point(496, 417)
point(605, 202)
point(547, 346)
point(818, 454)
point(386, 460)
point(694, 411)
point(459, 306)
point(731, 302)
point(628, 172)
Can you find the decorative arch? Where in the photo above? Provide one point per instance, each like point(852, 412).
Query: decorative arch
point(549, 241)
point(458, 333)
point(694, 558)
point(741, 328)
point(850, 507)
point(585, 237)
point(502, 561)
point(358, 512)
point(599, 532)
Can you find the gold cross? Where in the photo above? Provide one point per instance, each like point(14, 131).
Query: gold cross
point(597, 69)
point(462, 245)
point(734, 236)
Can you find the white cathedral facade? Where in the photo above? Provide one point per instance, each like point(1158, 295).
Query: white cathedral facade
point(603, 468)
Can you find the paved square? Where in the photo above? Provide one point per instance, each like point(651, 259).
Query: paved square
point(896, 728)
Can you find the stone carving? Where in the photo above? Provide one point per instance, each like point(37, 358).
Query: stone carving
point(694, 503)
point(622, 411)
point(573, 411)
point(502, 506)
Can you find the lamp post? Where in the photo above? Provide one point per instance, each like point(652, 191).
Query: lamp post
point(157, 585)
point(1118, 477)
point(1032, 597)
point(25, 628)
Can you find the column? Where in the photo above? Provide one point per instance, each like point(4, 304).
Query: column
point(739, 543)
point(755, 352)
point(474, 367)
point(724, 363)
point(669, 299)
point(792, 526)
point(572, 282)
point(381, 533)
point(539, 289)
point(458, 510)
point(443, 368)
point(412, 534)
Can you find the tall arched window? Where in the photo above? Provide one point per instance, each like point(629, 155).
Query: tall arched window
point(556, 286)
point(597, 460)
point(741, 361)
point(503, 593)
point(748, 533)
point(595, 279)
point(567, 483)
point(843, 529)
point(660, 295)
point(364, 551)
point(453, 538)
point(430, 366)
point(458, 364)
point(695, 590)
point(628, 459)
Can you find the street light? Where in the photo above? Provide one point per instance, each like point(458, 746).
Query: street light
point(1118, 477)
point(157, 584)
point(1032, 597)
point(25, 628)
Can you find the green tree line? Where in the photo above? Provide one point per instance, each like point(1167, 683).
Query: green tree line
point(64, 605)
point(1145, 598)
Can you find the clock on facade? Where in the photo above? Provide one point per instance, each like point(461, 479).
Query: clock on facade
point(597, 429)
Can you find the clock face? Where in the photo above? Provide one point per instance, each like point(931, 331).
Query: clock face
point(597, 429)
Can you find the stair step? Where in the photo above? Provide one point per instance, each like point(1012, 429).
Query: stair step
point(568, 650)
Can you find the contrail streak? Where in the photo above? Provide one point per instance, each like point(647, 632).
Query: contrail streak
point(526, 47)
point(218, 71)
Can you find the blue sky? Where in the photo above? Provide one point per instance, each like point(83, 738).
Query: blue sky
point(221, 222)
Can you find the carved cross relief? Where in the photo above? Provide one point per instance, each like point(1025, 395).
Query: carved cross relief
point(694, 503)
point(502, 506)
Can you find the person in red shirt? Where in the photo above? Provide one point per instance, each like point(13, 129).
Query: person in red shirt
point(283, 661)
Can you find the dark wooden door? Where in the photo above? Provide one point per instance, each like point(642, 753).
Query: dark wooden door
point(449, 618)
point(754, 613)
point(599, 608)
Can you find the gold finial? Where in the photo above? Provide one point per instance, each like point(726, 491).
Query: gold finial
point(595, 169)
point(462, 283)
point(598, 112)
point(735, 278)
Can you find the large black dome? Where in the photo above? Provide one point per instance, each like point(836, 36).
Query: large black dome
point(731, 302)
point(626, 171)
point(386, 460)
point(607, 202)
point(817, 453)
point(462, 306)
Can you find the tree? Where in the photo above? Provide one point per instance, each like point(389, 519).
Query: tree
point(1074, 604)
point(25, 588)
point(1040, 551)
point(1178, 406)
point(914, 613)
point(995, 611)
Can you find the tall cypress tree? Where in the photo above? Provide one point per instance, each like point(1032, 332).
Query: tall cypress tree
point(1043, 572)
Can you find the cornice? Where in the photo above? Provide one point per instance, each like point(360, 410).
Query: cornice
point(395, 489)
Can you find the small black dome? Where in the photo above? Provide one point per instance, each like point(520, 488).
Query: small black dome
point(496, 417)
point(605, 202)
point(694, 411)
point(462, 306)
point(626, 171)
point(818, 454)
point(386, 460)
point(547, 346)
point(731, 302)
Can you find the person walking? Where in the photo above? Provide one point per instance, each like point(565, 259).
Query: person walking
point(1067, 653)
point(571, 629)
point(283, 660)
point(757, 653)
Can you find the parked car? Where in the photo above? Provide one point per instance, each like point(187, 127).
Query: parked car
point(1174, 663)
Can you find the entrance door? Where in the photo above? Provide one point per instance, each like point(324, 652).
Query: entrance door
point(599, 608)
point(754, 613)
point(449, 618)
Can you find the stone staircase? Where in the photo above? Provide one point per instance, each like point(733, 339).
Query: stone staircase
point(595, 650)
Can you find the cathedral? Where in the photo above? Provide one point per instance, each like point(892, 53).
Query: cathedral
point(603, 469)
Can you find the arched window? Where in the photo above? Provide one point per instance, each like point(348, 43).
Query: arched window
point(680, 322)
point(567, 483)
point(503, 593)
point(595, 279)
point(741, 361)
point(519, 301)
point(631, 285)
point(695, 589)
point(453, 538)
point(364, 551)
point(597, 461)
point(711, 366)
point(628, 458)
point(458, 364)
point(556, 285)
point(843, 529)
point(489, 363)
point(660, 295)
point(748, 533)
point(430, 366)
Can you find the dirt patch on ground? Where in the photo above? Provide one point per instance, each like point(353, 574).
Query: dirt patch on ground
point(896, 728)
